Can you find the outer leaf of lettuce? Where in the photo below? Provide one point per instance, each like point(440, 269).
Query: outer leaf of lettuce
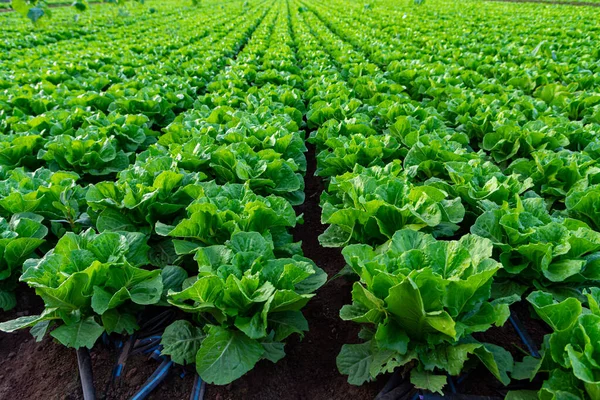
point(226, 355)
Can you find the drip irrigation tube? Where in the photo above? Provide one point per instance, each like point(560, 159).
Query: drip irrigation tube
point(451, 384)
point(146, 345)
point(396, 388)
point(85, 373)
point(524, 335)
point(198, 389)
point(155, 325)
point(123, 358)
point(155, 379)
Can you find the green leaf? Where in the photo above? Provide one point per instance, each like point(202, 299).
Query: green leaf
point(521, 395)
point(274, 350)
point(451, 357)
point(20, 6)
point(497, 360)
point(7, 300)
point(226, 355)
point(23, 322)
point(182, 340)
point(559, 316)
point(355, 361)
point(334, 236)
point(428, 381)
point(113, 221)
point(390, 336)
point(118, 322)
point(35, 13)
point(81, 334)
point(286, 323)
point(405, 303)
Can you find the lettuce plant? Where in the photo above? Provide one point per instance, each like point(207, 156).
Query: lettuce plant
point(223, 210)
point(19, 238)
point(56, 196)
point(481, 185)
point(245, 301)
point(344, 153)
point(90, 283)
point(151, 190)
point(370, 204)
point(583, 203)
point(510, 140)
point(569, 354)
point(537, 247)
point(555, 174)
point(420, 301)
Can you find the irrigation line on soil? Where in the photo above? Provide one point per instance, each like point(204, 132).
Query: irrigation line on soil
point(155, 379)
point(199, 389)
point(85, 373)
point(523, 334)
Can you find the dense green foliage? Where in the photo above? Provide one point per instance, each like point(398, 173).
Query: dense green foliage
point(153, 156)
point(426, 298)
point(447, 121)
point(159, 175)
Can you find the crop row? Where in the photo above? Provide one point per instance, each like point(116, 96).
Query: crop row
point(439, 140)
point(177, 191)
point(142, 165)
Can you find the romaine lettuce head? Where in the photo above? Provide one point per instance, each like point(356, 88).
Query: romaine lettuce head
point(421, 299)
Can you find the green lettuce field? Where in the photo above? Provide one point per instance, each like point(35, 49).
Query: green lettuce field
point(295, 199)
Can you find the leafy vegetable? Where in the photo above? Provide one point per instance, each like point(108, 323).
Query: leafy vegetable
point(421, 300)
point(568, 354)
point(370, 204)
point(19, 238)
point(535, 246)
point(248, 302)
point(90, 283)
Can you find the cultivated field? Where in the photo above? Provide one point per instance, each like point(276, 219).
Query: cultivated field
point(297, 199)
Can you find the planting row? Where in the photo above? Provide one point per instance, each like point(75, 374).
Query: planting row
point(423, 144)
point(115, 197)
point(145, 165)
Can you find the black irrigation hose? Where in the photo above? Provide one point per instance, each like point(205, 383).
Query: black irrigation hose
point(155, 325)
point(524, 335)
point(145, 346)
point(198, 389)
point(152, 330)
point(85, 373)
point(396, 388)
point(155, 379)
